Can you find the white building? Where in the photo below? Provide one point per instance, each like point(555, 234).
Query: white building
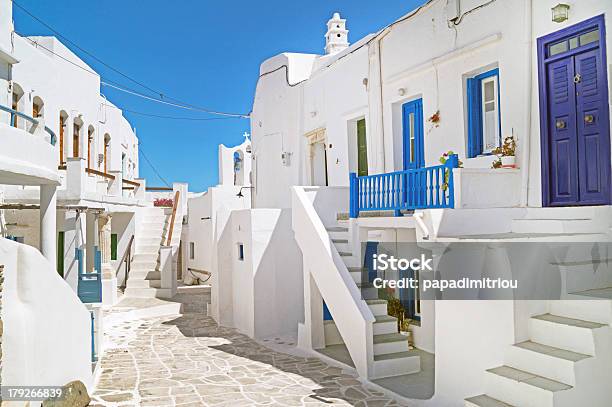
point(39, 310)
point(70, 187)
point(456, 77)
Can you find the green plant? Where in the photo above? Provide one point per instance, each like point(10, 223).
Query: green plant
point(443, 160)
point(508, 149)
point(396, 309)
point(497, 163)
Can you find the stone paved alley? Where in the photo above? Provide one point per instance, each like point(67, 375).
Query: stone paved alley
point(187, 360)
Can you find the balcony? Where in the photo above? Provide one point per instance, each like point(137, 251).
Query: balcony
point(421, 188)
point(28, 155)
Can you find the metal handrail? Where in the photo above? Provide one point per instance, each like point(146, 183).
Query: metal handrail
point(158, 188)
point(14, 114)
point(127, 259)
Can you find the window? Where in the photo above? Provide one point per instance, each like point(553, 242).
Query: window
point(484, 119)
point(240, 252)
point(192, 250)
point(576, 41)
point(113, 246)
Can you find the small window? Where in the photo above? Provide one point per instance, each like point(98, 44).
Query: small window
point(192, 250)
point(113, 246)
point(240, 252)
point(484, 118)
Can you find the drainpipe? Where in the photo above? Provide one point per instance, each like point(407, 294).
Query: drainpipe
point(527, 135)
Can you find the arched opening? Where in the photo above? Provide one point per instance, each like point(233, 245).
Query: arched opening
point(107, 151)
point(238, 167)
point(76, 137)
point(63, 118)
point(17, 105)
point(90, 140)
point(38, 107)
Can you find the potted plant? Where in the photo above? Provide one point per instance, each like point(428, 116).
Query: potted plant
point(506, 153)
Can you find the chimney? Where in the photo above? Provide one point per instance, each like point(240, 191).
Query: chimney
point(336, 38)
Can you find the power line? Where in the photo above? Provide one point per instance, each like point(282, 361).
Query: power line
point(169, 117)
point(160, 99)
point(152, 166)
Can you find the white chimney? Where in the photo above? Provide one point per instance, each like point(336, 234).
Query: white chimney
point(336, 38)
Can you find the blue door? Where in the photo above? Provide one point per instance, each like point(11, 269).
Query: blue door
point(575, 117)
point(412, 123)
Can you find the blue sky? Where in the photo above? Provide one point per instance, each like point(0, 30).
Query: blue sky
point(206, 53)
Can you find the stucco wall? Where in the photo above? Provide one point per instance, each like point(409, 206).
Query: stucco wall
point(47, 330)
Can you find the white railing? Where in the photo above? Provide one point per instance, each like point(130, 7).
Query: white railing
point(351, 314)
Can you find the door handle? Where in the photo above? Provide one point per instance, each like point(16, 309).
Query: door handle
point(560, 124)
point(577, 78)
point(589, 118)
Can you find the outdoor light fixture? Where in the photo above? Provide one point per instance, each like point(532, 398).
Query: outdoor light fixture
point(239, 194)
point(560, 13)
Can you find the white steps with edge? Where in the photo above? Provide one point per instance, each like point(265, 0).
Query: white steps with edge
point(484, 401)
point(522, 388)
point(543, 360)
point(566, 333)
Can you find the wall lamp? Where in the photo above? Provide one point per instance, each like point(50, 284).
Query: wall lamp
point(239, 194)
point(560, 13)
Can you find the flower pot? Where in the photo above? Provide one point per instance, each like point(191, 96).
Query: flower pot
point(508, 161)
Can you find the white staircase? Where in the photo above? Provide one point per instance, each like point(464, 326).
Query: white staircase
point(566, 361)
point(360, 317)
point(144, 280)
point(392, 355)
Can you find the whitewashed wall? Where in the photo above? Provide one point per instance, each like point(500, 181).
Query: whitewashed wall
point(64, 87)
point(257, 295)
point(47, 330)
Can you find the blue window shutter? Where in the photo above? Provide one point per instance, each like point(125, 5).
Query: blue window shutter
point(473, 105)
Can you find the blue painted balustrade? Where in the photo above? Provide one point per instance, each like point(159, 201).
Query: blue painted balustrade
point(90, 284)
point(13, 121)
point(420, 188)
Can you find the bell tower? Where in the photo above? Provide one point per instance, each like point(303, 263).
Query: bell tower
point(336, 38)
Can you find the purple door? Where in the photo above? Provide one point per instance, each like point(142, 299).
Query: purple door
point(575, 118)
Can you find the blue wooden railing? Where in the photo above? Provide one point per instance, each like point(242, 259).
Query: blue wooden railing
point(15, 114)
point(90, 284)
point(421, 188)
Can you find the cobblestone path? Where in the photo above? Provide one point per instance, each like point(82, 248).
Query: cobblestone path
point(187, 360)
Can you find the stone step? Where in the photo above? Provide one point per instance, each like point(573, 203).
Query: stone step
point(395, 364)
point(144, 275)
point(547, 361)
point(385, 324)
point(338, 232)
point(154, 240)
point(148, 265)
point(390, 343)
point(146, 248)
point(378, 307)
point(145, 258)
point(522, 388)
point(587, 309)
point(485, 401)
point(141, 292)
point(138, 283)
point(342, 245)
point(565, 333)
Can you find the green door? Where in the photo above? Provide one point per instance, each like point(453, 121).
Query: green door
point(362, 148)
point(60, 253)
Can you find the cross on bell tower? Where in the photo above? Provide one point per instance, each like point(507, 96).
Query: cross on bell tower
point(336, 38)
